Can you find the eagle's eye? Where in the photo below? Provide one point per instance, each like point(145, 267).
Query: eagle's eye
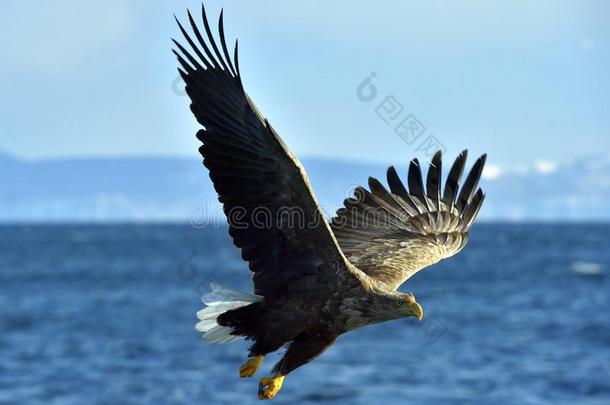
point(406, 300)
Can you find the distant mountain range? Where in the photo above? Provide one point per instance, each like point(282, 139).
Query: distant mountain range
point(178, 189)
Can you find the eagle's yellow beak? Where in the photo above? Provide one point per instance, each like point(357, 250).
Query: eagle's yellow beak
point(419, 312)
point(414, 309)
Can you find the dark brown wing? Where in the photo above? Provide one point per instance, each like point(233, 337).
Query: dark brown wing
point(273, 215)
point(391, 235)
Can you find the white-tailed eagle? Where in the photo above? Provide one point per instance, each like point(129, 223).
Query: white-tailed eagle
point(313, 280)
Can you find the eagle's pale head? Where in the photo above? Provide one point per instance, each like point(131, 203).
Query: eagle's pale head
point(388, 305)
point(379, 305)
point(407, 306)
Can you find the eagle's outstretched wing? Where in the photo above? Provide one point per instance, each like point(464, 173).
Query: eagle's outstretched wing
point(273, 215)
point(391, 235)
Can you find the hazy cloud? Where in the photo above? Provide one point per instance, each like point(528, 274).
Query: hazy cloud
point(491, 172)
point(545, 166)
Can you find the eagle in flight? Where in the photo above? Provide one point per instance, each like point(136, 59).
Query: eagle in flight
point(313, 280)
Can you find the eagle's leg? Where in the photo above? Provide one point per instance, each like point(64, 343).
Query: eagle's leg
point(249, 368)
point(304, 348)
point(268, 387)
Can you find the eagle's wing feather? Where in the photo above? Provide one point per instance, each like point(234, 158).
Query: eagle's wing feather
point(273, 215)
point(390, 235)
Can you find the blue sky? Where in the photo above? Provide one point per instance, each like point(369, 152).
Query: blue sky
point(527, 82)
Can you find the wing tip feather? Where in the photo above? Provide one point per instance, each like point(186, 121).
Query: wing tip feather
point(215, 60)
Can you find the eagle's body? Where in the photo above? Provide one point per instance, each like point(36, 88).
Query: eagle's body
point(353, 304)
point(313, 280)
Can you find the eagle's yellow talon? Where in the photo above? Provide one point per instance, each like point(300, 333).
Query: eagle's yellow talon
point(268, 387)
point(249, 368)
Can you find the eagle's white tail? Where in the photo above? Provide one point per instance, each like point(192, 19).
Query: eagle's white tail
point(218, 301)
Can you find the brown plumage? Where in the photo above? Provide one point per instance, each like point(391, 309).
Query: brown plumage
point(391, 235)
point(312, 280)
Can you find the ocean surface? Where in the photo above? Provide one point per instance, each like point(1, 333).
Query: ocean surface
point(106, 314)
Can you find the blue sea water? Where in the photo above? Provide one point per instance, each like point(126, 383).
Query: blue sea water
point(106, 314)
